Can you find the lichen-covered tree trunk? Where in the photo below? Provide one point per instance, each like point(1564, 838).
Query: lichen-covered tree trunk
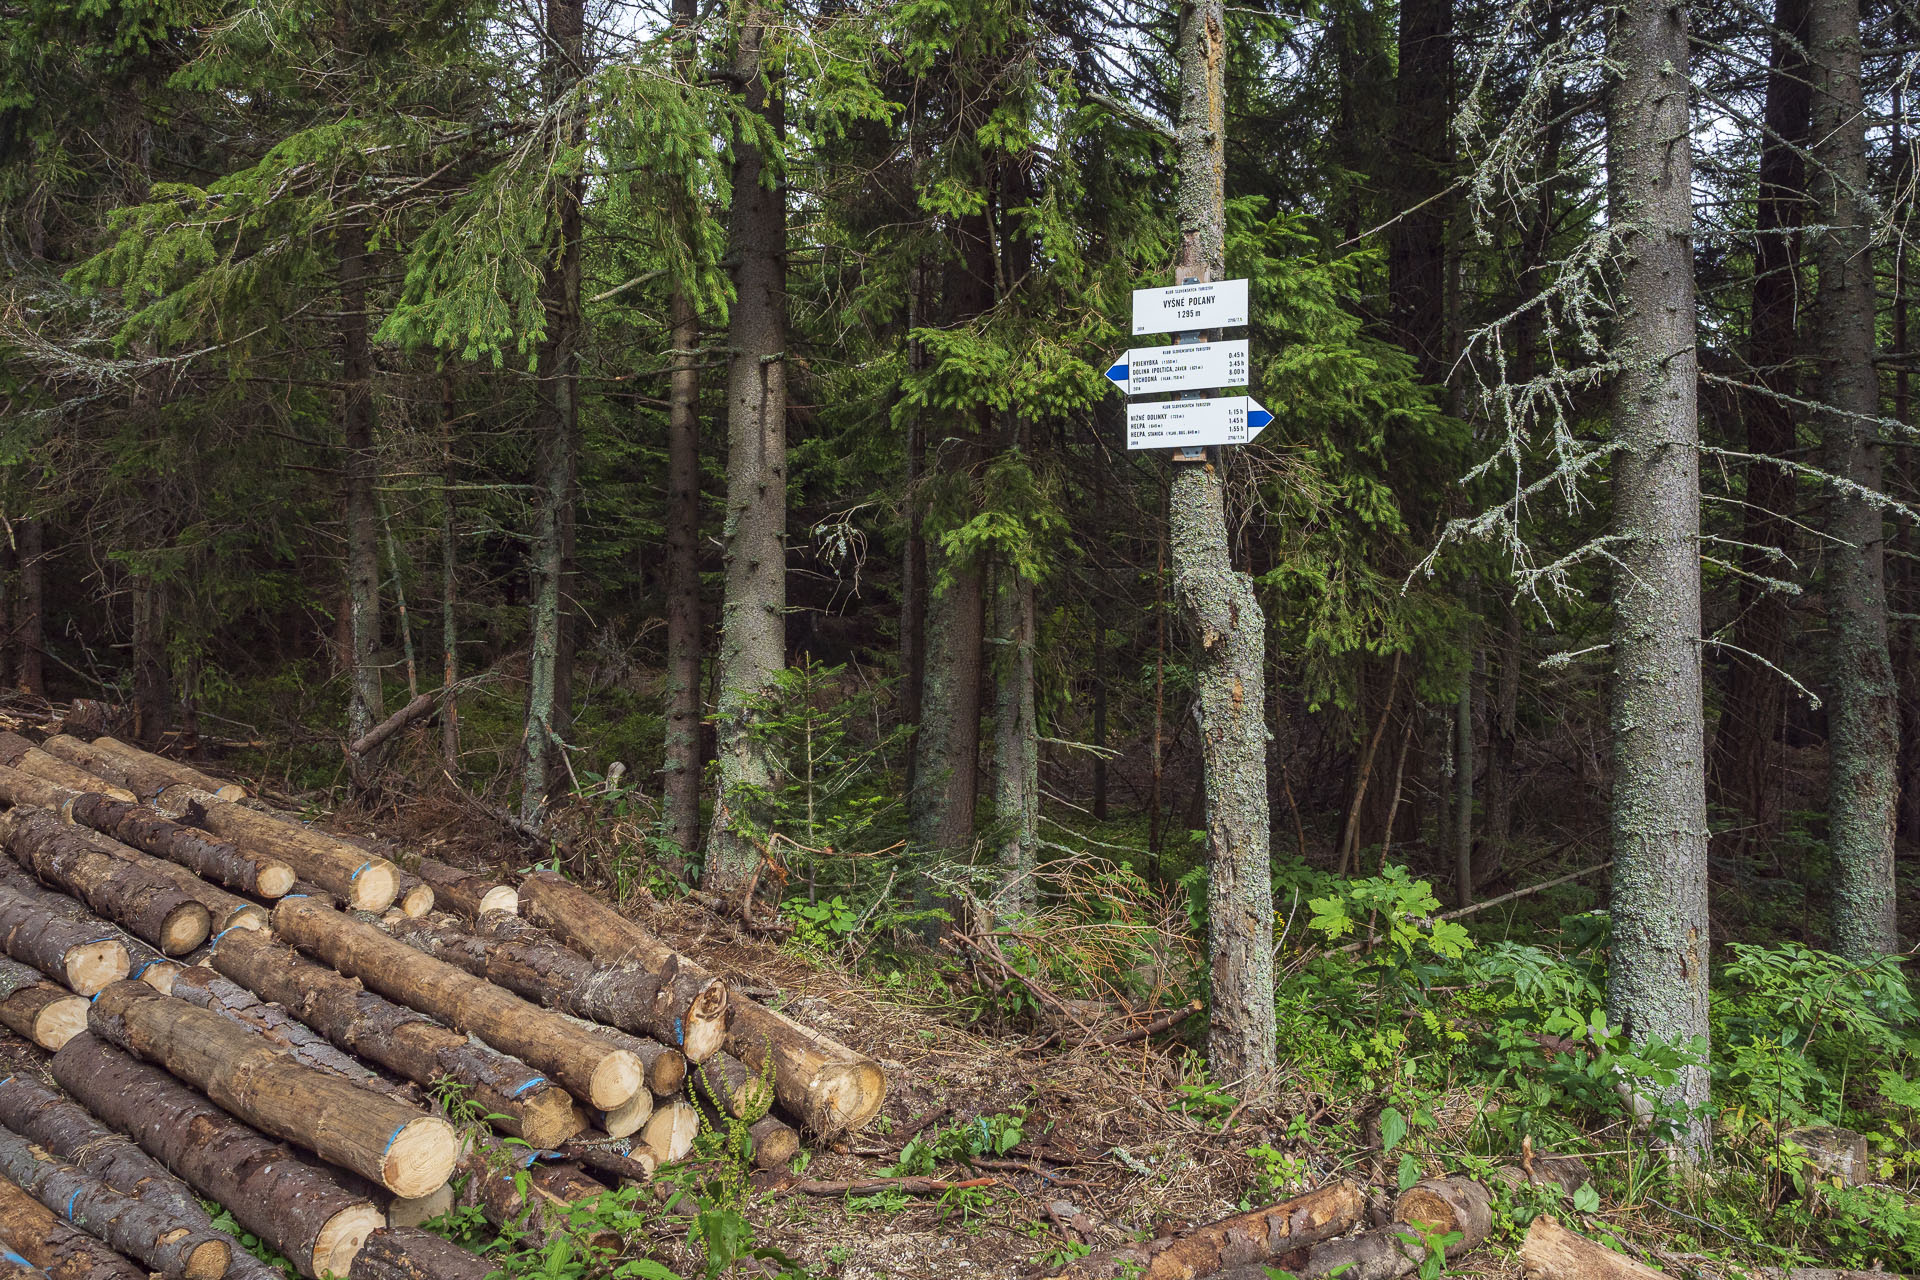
point(1016, 754)
point(364, 709)
point(753, 645)
point(1227, 627)
point(1657, 982)
point(1863, 722)
point(1747, 775)
point(557, 424)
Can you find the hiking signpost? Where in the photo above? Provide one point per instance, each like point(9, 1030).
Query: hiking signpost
point(1193, 368)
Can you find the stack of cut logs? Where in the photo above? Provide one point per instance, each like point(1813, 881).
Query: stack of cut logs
point(324, 1037)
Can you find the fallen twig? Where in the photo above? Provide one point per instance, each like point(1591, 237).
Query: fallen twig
point(773, 1182)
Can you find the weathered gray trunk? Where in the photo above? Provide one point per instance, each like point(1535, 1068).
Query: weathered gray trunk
point(557, 422)
point(1657, 983)
point(1227, 626)
point(1016, 747)
point(364, 708)
point(1462, 810)
point(1862, 717)
point(753, 609)
point(1503, 715)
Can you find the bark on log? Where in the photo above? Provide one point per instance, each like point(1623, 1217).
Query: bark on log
point(823, 1082)
point(406, 1253)
point(467, 893)
point(372, 738)
point(204, 988)
point(774, 1142)
point(158, 767)
point(148, 905)
point(1245, 1238)
point(1436, 1207)
point(728, 1082)
point(405, 1042)
point(1551, 1252)
point(403, 1149)
point(666, 1068)
point(413, 897)
point(30, 1229)
point(510, 1188)
point(15, 1267)
point(216, 860)
point(17, 789)
point(44, 1012)
point(366, 882)
point(685, 1006)
point(224, 910)
point(669, 1134)
point(143, 961)
point(599, 1074)
point(1446, 1205)
point(22, 756)
point(630, 1162)
point(80, 954)
point(133, 1227)
point(293, 1206)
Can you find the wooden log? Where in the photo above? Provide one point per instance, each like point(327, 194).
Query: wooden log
point(1434, 1208)
point(217, 860)
point(724, 1080)
point(545, 972)
point(17, 789)
point(626, 1119)
point(292, 1205)
point(136, 1228)
point(403, 1149)
point(619, 1159)
point(204, 988)
point(224, 910)
point(407, 1253)
point(666, 1068)
point(413, 897)
point(408, 1043)
point(774, 1142)
point(466, 893)
point(683, 1005)
point(149, 906)
point(510, 1188)
point(671, 1131)
point(15, 1267)
point(372, 738)
point(19, 754)
point(1447, 1205)
point(150, 765)
point(1246, 1238)
point(78, 954)
point(405, 1211)
point(594, 1071)
point(143, 961)
point(1551, 1252)
point(29, 1229)
point(366, 882)
point(44, 1012)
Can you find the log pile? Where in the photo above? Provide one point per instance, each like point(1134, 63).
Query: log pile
point(231, 1019)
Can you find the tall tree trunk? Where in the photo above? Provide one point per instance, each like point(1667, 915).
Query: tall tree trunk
point(1016, 756)
point(1747, 775)
point(29, 630)
point(449, 591)
point(753, 612)
point(1226, 622)
point(1463, 765)
point(151, 696)
point(1657, 983)
point(1420, 152)
point(680, 807)
point(1863, 730)
point(1503, 715)
point(364, 708)
point(1901, 589)
point(557, 415)
point(913, 555)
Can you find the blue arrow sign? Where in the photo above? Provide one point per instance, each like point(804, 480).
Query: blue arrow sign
point(1118, 373)
point(1258, 420)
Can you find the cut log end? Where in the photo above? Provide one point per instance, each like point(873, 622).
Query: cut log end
point(96, 965)
point(671, 1131)
point(629, 1117)
point(208, 1260)
point(231, 792)
point(274, 880)
point(159, 974)
point(58, 1022)
point(704, 1038)
point(374, 887)
point(502, 897)
point(185, 927)
point(616, 1080)
point(548, 1117)
point(342, 1238)
point(420, 1157)
point(668, 1073)
point(417, 901)
point(411, 1213)
point(850, 1095)
point(774, 1143)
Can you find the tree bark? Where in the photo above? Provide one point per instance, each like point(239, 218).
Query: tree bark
point(1016, 746)
point(364, 881)
point(361, 468)
point(1551, 1252)
point(406, 1253)
point(449, 593)
point(1657, 984)
point(413, 1046)
point(34, 1111)
point(29, 621)
point(44, 1012)
point(148, 774)
point(68, 951)
point(597, 1074)
point(293, 1206)
point(469, 894)
point(401, 1148)
point(130, 894)
point(204, 988)
point(1226, 623)
point(660, 992)
point(1503, 720)
point(753, 609)
point(1748, 777)
point(18, 754)
point(152, 699)
point(1863, 740)
point(224, 910)
point(30, 1230)
point(1420, 153)
point(1463, 779)
point(185, 846)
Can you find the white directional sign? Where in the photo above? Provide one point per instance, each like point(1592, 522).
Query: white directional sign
point(1175, 423)
point(1214, 305)
point(1195, 366)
